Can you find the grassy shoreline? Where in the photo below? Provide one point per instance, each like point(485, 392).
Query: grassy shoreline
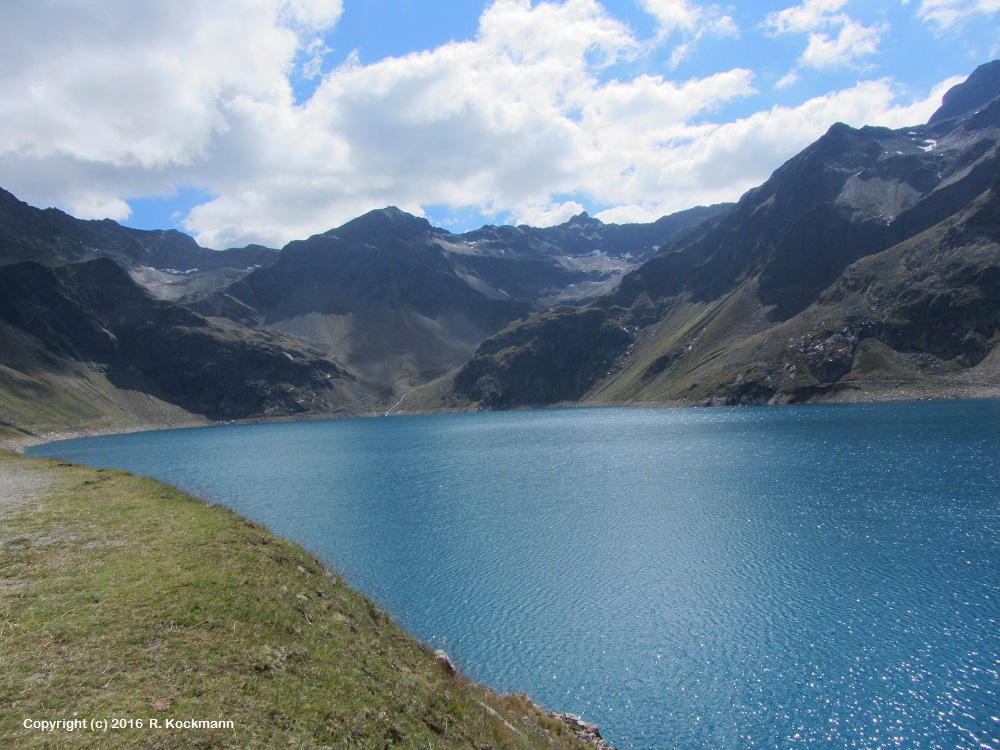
point(122, 598)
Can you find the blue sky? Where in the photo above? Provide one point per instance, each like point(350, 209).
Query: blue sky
point(269, 120)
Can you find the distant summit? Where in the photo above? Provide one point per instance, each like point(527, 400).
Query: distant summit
point(980, 88)
point(582, 219)
point(383, 223)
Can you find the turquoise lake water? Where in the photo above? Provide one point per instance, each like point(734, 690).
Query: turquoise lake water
point(772, 577)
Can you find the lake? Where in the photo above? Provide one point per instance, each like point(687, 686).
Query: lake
point(771, 577)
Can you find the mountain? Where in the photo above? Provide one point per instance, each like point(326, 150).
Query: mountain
point(400, 301)
point(106, 327)
point(574, 261)
point(167, 262)
point(84, 344)
point(81, 344)
point(865, 267)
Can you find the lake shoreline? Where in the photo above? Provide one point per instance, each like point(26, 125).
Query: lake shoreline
point(29, 485)
point(679, 503)
point(868, 393)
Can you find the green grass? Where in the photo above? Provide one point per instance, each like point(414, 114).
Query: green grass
point(75, 398)
point(712, 330)
point(124, 598)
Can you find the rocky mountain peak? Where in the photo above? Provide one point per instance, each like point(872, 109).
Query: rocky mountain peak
point(383, 222)
point(583, 219)
point(980, 88)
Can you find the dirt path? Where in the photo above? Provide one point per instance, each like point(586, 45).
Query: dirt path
point(21, 483)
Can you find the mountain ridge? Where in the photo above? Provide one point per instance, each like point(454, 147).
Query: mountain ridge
point(85, 346)
point(106, 327)
point(686, 316)
point(400, 301)
point(864, 267)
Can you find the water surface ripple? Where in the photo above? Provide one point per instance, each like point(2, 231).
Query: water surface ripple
point(725, 578)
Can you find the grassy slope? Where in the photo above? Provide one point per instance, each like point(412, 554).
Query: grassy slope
point(79, 401)
point(123, 597)
point(41, 395)
point(709, 349)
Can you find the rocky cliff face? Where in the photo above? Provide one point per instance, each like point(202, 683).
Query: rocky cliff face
point(92, 315)
point(577, 347)
point(763, 303)
point(379, 293)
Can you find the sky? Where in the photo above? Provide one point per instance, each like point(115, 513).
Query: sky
point(265, 121)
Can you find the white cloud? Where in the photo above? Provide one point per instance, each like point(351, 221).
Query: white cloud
point(673, 14)
point(726, 160)
point(93, 205)
point(945, 14)
point(115, 84)
point(310, 16)
point(852, 43)
point(681, 15)
point(789, 79)
point(102, 102)
point(548, 215)
point(919, 111)
point(503, 123)
point(692, 22)
point(809, 16)
point(136, 83)
point(311, 59)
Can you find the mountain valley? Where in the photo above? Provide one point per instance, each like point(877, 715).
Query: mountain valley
point(866, 267)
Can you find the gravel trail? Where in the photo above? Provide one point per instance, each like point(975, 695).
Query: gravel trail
point(20, 484)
